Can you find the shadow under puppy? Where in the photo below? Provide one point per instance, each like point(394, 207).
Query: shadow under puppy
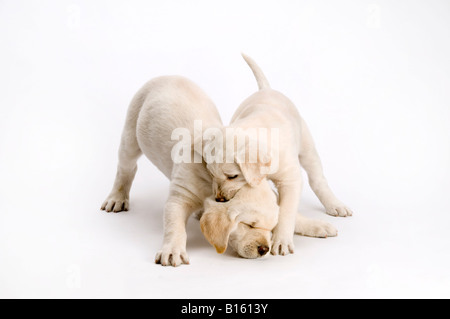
point(246, 221)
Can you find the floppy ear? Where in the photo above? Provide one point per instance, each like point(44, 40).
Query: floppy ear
point(254, 173)
point(216, 225)
point(253, 160)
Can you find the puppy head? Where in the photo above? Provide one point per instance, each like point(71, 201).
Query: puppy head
point(245, 222)
point(250, 241)
point(227, 180)
point(232, 166)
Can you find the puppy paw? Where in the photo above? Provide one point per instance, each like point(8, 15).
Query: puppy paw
point(115, 202)
point(315, 228)
point(338, 209)
point(282, 244)
point(171, 256)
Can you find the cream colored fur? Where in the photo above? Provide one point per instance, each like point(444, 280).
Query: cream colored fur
point(270, 109)
point(246, 221)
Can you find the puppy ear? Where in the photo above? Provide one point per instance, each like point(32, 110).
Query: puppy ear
point(254, 173)
point(253, 159)
point(217, 224)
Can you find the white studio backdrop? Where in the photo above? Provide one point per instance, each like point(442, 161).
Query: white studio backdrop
point(371, 78)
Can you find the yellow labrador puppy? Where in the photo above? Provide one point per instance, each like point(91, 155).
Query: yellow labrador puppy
point(161, 106)
point(270, 109)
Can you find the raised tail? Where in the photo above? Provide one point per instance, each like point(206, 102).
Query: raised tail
point(257, 72)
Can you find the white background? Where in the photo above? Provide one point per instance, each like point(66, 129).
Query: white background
point(372, 79)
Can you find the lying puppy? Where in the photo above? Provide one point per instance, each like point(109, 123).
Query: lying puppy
point(158, 108)
point(270, 109)
point(247, 220)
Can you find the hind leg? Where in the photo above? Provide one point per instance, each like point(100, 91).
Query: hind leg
point(129, 152)
point(310, 161)
point(118, 199)
point(313, 228)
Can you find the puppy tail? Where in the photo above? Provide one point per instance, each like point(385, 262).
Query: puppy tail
point(257, 72)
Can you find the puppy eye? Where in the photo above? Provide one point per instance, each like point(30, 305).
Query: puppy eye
point(232, 177)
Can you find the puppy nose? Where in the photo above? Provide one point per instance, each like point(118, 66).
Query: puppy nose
point(221, 199)
point(262, 250)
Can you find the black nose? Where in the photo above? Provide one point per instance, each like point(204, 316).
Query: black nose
point(221, 199)
point(262, 250)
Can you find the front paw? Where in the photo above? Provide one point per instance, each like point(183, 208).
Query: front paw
point(171, 255)
point(282, 243)
point(338, 208)
point(115, 202)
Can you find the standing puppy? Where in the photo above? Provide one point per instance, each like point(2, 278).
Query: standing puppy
point(270, 109)
point(158, 108)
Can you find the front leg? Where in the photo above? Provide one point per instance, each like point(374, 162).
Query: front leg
point(188, 189)
point(176, 214)
point(289, 190)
